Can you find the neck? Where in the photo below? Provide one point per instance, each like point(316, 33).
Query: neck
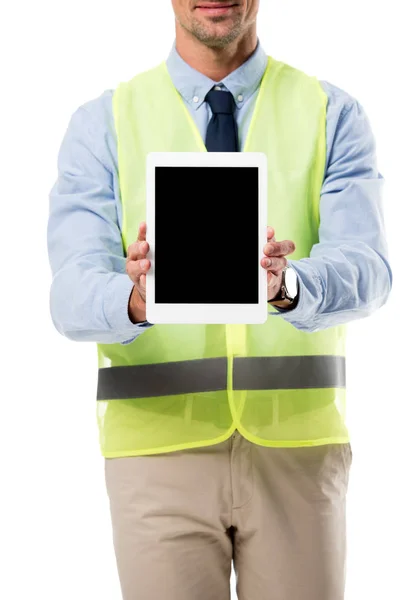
point(215, 63)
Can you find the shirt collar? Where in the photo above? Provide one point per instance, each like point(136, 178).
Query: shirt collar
point(194, 86)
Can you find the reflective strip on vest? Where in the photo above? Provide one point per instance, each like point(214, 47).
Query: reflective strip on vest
point(289, 372)
point(162, 379)
point(210, 374)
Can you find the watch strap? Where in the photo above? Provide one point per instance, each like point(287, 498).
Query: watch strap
point(282, 299)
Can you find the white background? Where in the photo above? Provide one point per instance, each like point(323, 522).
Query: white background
point(55, 530)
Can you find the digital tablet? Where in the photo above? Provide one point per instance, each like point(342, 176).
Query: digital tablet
point(206, 228)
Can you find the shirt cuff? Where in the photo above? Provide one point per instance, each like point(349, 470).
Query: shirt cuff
point(115, 307)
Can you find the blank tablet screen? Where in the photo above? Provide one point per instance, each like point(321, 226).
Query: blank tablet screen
point(206, 235)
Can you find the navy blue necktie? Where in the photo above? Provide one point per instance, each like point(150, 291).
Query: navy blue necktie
point(222, 134)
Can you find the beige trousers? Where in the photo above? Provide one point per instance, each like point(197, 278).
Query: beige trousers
point(278, 514)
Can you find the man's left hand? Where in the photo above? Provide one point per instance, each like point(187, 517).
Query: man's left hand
point(274, 261)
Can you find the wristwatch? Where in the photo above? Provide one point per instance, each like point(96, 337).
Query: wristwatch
point(288, 293)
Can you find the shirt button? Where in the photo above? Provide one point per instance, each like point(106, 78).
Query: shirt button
point(196, 99)
point(218, 87)
point(240, 98)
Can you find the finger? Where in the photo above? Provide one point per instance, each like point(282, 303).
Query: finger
point(142, 232)
point(274, 264)
point(270, 233)
point(135, 268)
point(137, 250)
point(279, 248)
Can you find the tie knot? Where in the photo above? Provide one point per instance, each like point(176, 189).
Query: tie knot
point(221, 102)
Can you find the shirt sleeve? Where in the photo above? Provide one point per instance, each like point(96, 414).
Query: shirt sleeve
point(90, 288)
point(347, 275)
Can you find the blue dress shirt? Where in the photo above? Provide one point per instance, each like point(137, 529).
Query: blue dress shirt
point(346, 277)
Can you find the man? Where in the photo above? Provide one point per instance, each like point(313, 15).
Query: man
point(252, 467)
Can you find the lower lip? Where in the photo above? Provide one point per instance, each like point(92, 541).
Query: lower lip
point(216, 12)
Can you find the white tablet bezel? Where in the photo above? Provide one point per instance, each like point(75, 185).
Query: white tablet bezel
point(206, 313)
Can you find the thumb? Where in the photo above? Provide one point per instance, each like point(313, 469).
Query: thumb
point(142, 286)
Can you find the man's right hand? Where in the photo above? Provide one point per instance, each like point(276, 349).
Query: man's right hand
point(137, 265)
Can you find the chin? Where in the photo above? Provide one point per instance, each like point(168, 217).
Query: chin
point(219, 33)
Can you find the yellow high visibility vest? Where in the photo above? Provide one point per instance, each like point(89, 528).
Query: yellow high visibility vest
point(185, 386)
